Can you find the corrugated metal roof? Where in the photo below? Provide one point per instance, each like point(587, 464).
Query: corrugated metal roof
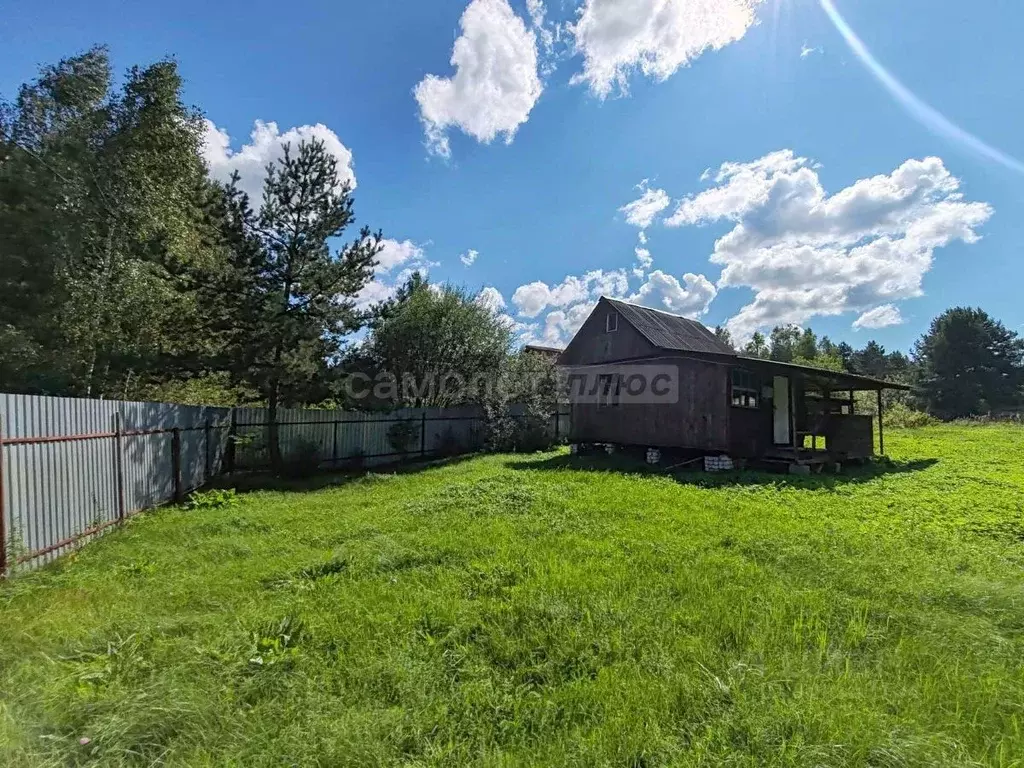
point(667, 331)
point(842, 379)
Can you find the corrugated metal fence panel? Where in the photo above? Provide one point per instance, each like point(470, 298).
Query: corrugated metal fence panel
point(54, 491)
point(339, 436)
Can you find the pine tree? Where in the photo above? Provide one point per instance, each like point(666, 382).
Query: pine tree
point(969, 364)
point(288, 298)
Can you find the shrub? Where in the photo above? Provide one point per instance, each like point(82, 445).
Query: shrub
point(403, 435)
point(900, 415)
point(218, 498)
point(302, 459)
point(448, 444)
point(527, 432)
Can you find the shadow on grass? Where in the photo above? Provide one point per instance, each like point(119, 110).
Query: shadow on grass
point(863, 473)
point(244, 482)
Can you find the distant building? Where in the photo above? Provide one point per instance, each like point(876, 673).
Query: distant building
point(551, 352)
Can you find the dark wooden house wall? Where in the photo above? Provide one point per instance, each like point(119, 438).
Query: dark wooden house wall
point(592, 344)
point(698, 420)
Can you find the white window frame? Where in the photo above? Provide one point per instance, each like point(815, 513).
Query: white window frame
point(611, 322)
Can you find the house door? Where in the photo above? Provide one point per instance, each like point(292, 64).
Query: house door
point(780, 410)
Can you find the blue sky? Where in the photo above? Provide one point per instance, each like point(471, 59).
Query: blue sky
point(839, 207)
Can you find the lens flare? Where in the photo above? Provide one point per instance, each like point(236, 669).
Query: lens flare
point(926, 114)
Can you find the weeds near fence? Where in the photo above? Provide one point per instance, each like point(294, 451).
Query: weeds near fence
point(217, 498)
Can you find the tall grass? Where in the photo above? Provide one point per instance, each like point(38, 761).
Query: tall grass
point(544, 610)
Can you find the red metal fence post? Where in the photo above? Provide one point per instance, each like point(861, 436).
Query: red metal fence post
point(176, 462)
point(3, 508)
point(119, 466)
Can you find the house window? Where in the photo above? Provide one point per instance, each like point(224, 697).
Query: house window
point(746, 390)
point(611, 322)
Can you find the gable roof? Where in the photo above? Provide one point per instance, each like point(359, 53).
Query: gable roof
point(667, 331)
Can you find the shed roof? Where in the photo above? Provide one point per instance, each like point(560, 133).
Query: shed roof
point(667, 331)
point(823, 376)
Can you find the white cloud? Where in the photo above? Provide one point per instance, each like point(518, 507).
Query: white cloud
point(468, 257)
point(558, 327)
point(662, 291)
point(644, 210)
point(644, 260)
point(575, 297)
point(879, 317)
point(495, 84)
point(395, 254)
point(266, 145)
point(806, 253)
point(491, 298)
point(657, 37)
point(806, 50)
point(531, 299)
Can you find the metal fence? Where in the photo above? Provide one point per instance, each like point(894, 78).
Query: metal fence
point(71, 468)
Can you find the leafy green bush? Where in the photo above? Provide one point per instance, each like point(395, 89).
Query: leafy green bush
point(900, 415)
point(403, 435)
point(302, 459)
point(448, 444)
point(218, 498)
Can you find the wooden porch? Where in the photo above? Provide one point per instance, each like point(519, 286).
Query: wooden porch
point(814, 417)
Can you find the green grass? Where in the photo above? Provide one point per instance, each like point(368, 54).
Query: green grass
point(526, 610)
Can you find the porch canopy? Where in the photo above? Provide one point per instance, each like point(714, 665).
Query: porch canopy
point(822, 379)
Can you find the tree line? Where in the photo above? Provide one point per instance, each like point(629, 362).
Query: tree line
point(127, 272)
point(966, 364)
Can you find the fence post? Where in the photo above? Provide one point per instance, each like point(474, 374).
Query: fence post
point(558, 423)
point(423, 434)
point(176, 462)
point(3, 507)
point(207, 460)
point(229, 449)
point(119, 466)
point(334, 444)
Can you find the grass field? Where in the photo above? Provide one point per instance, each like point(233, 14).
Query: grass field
point(526, 610)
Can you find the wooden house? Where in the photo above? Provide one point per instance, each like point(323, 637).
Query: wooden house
point(723, 402)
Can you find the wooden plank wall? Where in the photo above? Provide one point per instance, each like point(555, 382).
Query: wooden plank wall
point(699, 420)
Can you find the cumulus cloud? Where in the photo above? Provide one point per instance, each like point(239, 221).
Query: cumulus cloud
point(645, 209)
point(266, 145)
point(656, 37)
point(531, 299)
point(558, 327)
point(805, 253)
point(495, 84)
point(491, 298)
point(468, 257)
point(691, 298)
point(396, 263)
point(879, 317)
point(574, 298)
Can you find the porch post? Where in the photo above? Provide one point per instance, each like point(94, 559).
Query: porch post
point(792, 414)
point(881, 435)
